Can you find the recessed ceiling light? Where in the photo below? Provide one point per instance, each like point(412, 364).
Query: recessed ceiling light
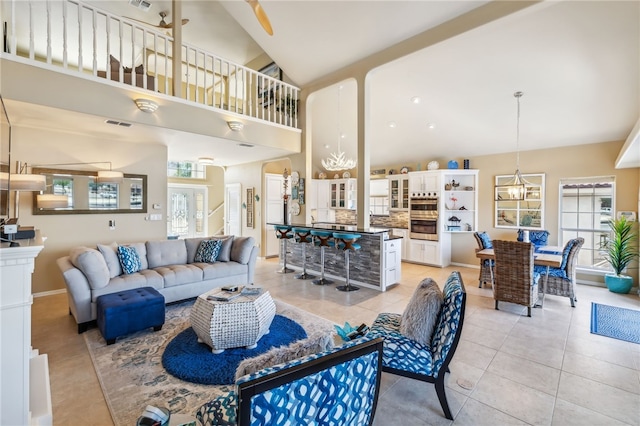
point(431, 126)
point(326, 145)
point(205, 160)
point(392, 124)
point(415, 100)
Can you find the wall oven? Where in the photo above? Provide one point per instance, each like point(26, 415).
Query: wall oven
point(423, 218)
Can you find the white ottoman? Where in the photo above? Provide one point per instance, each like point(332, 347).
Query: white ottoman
point(239, 322)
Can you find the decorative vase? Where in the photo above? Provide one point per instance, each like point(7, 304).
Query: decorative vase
point(466, 164)
point(618, 283)
point(453, 164)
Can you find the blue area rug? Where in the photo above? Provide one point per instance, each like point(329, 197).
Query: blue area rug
point(619, 323)
point(193, 362)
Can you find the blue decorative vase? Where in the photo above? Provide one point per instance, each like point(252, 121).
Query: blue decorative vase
point(453, 164)
point(618, 283)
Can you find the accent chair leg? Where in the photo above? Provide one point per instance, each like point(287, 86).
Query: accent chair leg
point(497, 306)
point(442, 397)
point(82, 327)
point(528, 311)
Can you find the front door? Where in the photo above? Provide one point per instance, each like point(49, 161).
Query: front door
point(187, 216)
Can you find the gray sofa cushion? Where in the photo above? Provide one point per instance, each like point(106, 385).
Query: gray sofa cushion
point(111, 257)
point(174, 275)
point(141, 248)
point(421, 314)
point(166, 252)
point(217, 270)
point(225, 250)
point(241, 249)
point(144, 278)
point(192, 245)
point(92, 264)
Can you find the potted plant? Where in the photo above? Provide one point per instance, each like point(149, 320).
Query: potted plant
point(620, 251)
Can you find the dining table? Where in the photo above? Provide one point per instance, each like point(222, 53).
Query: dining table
point(549, 256)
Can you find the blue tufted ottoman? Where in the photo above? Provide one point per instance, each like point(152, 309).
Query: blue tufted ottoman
point(129, 311)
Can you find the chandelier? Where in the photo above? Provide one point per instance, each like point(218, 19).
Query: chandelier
point(338, 160)
point(516, 187)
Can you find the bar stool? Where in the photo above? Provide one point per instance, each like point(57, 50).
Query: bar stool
point(303, 236)
point(322, 239)
point(283, 233)
point(347, 242)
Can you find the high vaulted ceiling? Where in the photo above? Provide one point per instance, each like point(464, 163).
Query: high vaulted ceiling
point(578, 63)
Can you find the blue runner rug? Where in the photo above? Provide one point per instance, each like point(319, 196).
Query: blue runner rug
point(193, 362)
point(619, 323)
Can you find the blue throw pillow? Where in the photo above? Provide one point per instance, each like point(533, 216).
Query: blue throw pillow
point(208, 251)
point(129, 259)
point(486, 240)
point(565, 253)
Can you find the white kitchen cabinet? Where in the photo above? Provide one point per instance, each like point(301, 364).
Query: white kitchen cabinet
point(342, 194)
point(404, 233)
point(398, 192)
point(319, 201)
point(459, 201)
point(392, 265)
point(436, 253)
point(424, 184)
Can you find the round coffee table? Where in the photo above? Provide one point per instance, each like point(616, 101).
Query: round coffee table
point(239, 322)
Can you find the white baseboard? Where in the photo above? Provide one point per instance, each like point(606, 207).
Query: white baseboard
point(50, 293)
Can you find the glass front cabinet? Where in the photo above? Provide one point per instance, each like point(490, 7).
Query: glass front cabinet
point(527, 213)
point(398, 192)
point(343, 194)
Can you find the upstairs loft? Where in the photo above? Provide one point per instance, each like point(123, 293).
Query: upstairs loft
point(64, 52)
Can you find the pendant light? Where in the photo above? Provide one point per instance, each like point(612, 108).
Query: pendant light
point(515, 188)
point(339, 161)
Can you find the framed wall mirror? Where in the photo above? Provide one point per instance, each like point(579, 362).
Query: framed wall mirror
point(527, 213)
point(80, 192)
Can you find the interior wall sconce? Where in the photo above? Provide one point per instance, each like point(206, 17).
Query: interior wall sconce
point(146, 105)
point(235, 126)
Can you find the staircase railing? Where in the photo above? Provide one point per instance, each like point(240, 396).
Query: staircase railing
point(93, 42)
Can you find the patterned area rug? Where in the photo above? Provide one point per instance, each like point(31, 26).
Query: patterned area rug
point(131, 373)
point(619, 323)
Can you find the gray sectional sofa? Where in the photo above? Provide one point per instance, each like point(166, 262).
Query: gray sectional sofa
point(168, 266)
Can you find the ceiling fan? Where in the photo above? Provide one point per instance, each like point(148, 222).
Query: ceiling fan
point(162, 24)
point(261, 15)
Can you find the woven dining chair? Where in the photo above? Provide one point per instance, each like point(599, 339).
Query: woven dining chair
point(514, 280)
point(486, 265)
point(562, 281)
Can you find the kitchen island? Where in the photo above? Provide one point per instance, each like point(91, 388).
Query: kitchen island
point(376, 265)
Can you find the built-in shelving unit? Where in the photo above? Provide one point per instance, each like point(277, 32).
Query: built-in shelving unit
point(459, 200)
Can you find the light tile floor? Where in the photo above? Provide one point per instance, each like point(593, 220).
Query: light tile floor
point(547, 369)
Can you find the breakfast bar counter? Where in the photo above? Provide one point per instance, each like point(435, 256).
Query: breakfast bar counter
point(376, 265)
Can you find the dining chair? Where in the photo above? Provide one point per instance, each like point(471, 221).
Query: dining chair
point(515, 280)
point(537, 238)
point(486, 265)
point(561, 281)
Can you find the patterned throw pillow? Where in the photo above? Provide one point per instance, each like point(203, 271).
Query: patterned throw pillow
point(129, 259)
point(208, 251)
point(486, 240)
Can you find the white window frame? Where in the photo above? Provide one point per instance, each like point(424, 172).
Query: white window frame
point(591, 245)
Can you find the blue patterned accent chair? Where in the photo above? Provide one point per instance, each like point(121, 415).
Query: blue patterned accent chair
point(333, 388)
point(538, 238)
point(486, 265)
point(429, 363)
point(562, 281)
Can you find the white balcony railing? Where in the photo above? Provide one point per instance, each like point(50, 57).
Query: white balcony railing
point(82, 38)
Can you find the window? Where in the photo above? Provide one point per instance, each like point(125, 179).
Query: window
point(528, 213)
point(186, 169)
point(586, 205)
